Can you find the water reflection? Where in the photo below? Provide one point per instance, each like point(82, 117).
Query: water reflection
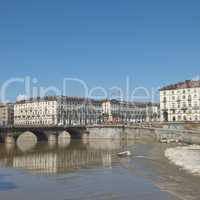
point(52, 144)
point(9, 147)
point(5, 185)
point(66, 155)
point(128, 177)
point(109, 145)
point(63, 142)
point(26, 141)
point(26, 145)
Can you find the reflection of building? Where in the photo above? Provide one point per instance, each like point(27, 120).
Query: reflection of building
point(129, 112)
point(37, 162)
point(61, 161)
point(57, 111)
point(180, 102)
point(6, 114)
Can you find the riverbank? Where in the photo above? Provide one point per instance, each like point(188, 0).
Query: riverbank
point(142, 133)
point(186, 157)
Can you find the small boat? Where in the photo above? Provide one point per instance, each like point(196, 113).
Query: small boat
point(124, 153)
point(168, 141)
point(163, 140)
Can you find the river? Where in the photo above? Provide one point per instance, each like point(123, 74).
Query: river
point(92, 170)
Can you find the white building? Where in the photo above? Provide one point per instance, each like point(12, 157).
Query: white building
point(180, 102)
point(38, 111)
point(49, 111)
point(61, 111)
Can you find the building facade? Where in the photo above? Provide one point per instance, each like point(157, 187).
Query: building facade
point(6, 114)
point(129, 112)
point(49, 111)
point(153, 112)
point(63, 111)
point(180, 102)
point(36, 111)
point(79, 111)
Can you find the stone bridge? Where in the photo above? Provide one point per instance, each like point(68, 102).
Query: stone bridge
point(58, 134)
point(34, 134)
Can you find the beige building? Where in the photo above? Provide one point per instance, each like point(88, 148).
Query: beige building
point(129, 112)
point(180, 101)
point(6, 114)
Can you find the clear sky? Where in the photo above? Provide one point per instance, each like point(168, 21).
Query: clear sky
point(154, 42)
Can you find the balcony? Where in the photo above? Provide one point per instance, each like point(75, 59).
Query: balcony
point(184, 108)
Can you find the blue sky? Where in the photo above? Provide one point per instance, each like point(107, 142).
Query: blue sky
point(153, 42)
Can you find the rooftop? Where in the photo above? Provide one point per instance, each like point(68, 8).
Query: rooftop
point(182, 85)
point(134, 103)
point(56, 98)
point(84, 100)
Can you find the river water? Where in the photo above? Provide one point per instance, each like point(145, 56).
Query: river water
point(92, 170)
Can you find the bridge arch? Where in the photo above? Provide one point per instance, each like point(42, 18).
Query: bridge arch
point(64, 135)
point(76, 133)
point(64, 139)
point(26, 141)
